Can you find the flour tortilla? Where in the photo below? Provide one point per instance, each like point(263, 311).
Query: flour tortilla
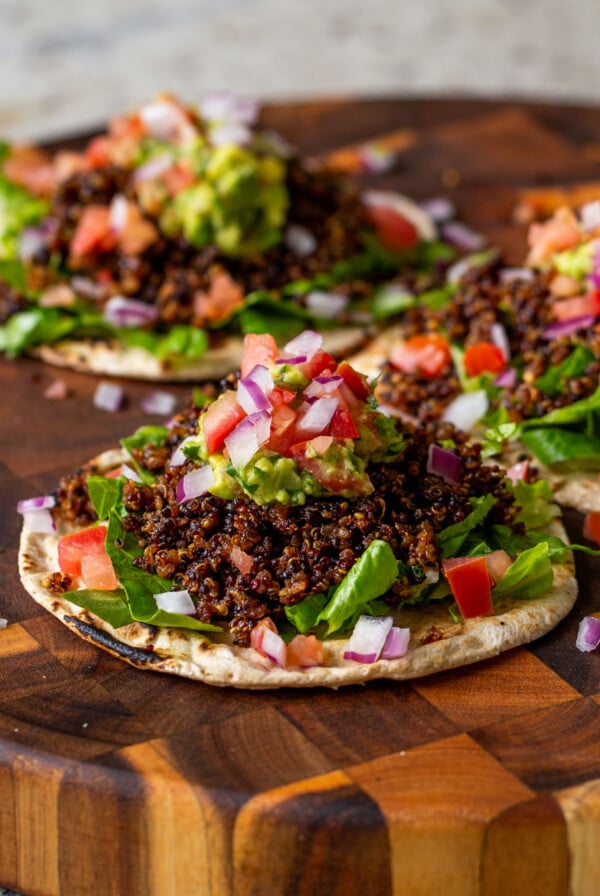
point(111, 358)
point(215, 660)
point(579, 490)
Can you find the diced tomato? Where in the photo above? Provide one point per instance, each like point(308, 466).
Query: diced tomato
point(71, 548)
point(93, 233)
point(223, 297)
point(559, 232)
point(113, 474)
point(97, 572)
point(283, 429)
point(258, 632)
point(332, 477)
point(304, 651)
point(219, 419)
point(342, 425)
point(97, 152)
point(258, 348)
point(471, 585)
point(356, 381)
point(577, 306)
point(483, 357)
point(137, 233)
point(395, 231)
point(30, 168)
point(278, 396)
point(65, 164)
point(127, 126)
point(425, 353)
point(591, 526)
point(178, 178)
point(320, 363)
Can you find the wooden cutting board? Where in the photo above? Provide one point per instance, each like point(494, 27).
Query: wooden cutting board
point(479, 782)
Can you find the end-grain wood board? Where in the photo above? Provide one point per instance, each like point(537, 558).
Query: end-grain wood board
point(478, 782)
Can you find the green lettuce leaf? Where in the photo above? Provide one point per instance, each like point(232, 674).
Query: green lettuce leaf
point(530, 575)
point(304, 615)
point(108, 605)
point(553, 381)
point(452, 537)
point(105, 494)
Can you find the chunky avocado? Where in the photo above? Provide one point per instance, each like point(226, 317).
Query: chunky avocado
point(577, 262)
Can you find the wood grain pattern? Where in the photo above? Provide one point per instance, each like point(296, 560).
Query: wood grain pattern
point(478, 782)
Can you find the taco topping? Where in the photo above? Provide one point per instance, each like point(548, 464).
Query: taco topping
point(296, 539)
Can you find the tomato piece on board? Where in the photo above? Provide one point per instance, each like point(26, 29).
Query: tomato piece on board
point(342, 425)
point(395, 231)
point(71, 548)
point(258, 348)
point(356, 382)
point(304, 651)
point(591, 526)
point(425, 353)
point(93, 233)
point(483, 357)
point(471, 585)
point(577, 306)
point(98, 572)
point(219, 419)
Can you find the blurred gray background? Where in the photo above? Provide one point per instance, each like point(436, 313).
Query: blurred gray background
point(64, 67)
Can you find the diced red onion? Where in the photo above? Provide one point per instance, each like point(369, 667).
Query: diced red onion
point(261, 375)
point(440, 208)
point(31, 240)
point(462, 236)
point(86, 287)
point(159, 402)
point(568, 327)
point(376, 159)
point(230, 133)
point(3, 623)
point(175, 602)
point(164, 120)
point(250, 395)
point(507, 379)
point(307, 343)
point(500, 338)
point(518, 472)
point(507, 275)
point(326, 304)
point(318, 416)
point(41, 502)
point(368, 638)
point(195, 483)
point(118, 213)
point(299, 240)
point(153, 168)
point(129, 473)
point(225, 106)
point(444, 463)
point(123, 312)
point(108, 396)
point(179, 457)
point(588, 634)
point(322, 385)
point(466, 409)
point(247, 437)
point(594, 275)
point(293, 359)
point(590, 215)
point(405, 207)
point(274, 647)
point(39, 521)
point(396, 643)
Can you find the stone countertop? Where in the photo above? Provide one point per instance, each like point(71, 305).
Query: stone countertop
point(62, 73)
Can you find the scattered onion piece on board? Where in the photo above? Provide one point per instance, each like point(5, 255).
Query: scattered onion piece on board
point(108, 397)
point(158, 402)
point(588, 634)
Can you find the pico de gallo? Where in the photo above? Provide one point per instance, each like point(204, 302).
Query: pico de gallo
point(177, 224)
point(290, 510)
point(512, 354)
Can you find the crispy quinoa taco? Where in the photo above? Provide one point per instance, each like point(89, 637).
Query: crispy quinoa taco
point(150, 252)
point(511, 355)
point(290, 534)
